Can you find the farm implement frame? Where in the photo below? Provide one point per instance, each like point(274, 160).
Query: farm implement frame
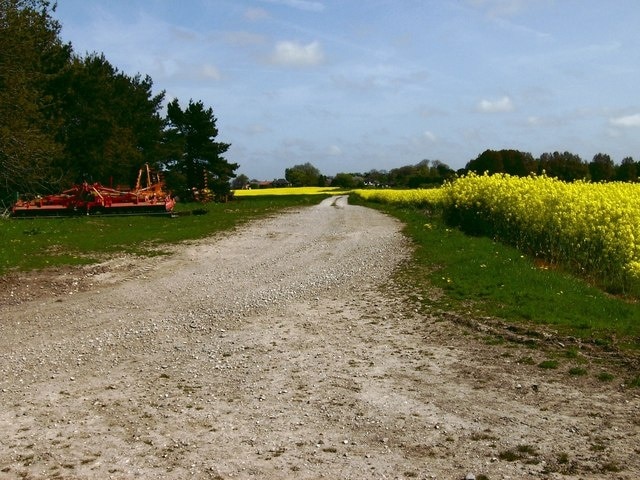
point(96, 199)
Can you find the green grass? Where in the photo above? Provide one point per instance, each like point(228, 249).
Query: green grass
point(478, 276)
point(548, 364)
point(28, 244)
point(605, 376)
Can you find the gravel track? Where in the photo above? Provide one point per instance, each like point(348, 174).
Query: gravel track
point(286, 350)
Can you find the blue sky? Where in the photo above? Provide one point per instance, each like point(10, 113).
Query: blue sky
point(355, 85)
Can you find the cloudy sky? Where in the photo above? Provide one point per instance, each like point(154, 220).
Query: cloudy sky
point(355, 85)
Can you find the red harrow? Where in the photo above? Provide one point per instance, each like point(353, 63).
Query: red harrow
point(89, 199)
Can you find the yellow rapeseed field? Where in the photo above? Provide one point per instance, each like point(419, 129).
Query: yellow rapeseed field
point(593, 228)
point(416, 197)
point(287, 191)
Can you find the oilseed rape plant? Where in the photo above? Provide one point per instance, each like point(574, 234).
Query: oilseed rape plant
point(432, 197)
point(590, 228)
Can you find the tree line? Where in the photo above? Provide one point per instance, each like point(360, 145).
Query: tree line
point(564, 166)
point(66, 118)
point(426, 173)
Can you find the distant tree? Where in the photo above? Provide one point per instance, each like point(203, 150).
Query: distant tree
point(601, 168)
point(193, 156)
point(518, 163)
point(425, 173)
point(399, 177)
point(343, 180)
point(239, 182)
point(280, 183)
point(563, 166)
point(421, 175)
point(305, 175)
point(627, 171)
point(512, 162)
point(376, 177)
point(358, 180)
point(489, 161)
point(430, 172)
point(323, 181)
point(443, 170)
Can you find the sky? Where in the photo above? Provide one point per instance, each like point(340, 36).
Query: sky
point(356, 85)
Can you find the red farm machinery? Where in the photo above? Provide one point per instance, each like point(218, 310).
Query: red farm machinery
point(148, 197)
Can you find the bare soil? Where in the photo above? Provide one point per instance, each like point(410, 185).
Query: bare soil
point(287, 349)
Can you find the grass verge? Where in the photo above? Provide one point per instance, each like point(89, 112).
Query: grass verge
point(28, 244)
point(477, 276)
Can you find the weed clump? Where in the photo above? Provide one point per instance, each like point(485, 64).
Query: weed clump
point(577, 371)
point(526, 453)
point(605, 376)
point(548, 364)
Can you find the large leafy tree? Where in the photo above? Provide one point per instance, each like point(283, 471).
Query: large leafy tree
point(194, 159)
point(564, 166)
point(241, 181)
point(489, 161)
point(376, 177)
point(423, 174)
point(512, 162)
point(601, 168)
point(627, 171)
point(32, 58)
point(305, 175)
point(111, 122)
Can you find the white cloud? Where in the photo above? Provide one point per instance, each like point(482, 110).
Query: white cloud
point(503, 104)
point(429, 135)
point(294, 54)
point(335, 151)
point(626, 121)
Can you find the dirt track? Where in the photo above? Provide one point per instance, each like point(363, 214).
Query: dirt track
point(285, 350)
